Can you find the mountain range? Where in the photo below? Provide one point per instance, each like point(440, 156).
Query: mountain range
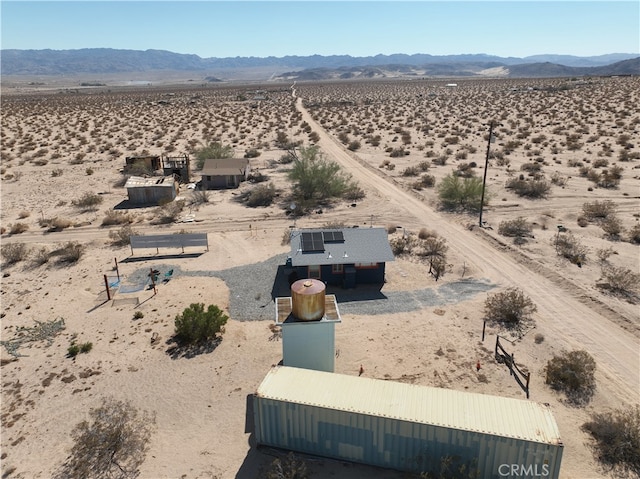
point(96, 61)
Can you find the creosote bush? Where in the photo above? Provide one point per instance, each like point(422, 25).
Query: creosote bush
point(112, 444)
point(289, 467)
point(620, 281)
point(14, 252)
point(464, 194)
point(89, 201)
point(599, 210)
point(261, 195)
point(197, 325)
point(568, 246)
point(616, 436)
point(515, 228)
point(510, 307)
point(573, 373)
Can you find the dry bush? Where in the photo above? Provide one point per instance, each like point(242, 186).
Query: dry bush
point(391, 229)
point(88, 202)
point(410, 171)
point(70, 253)
point(112, 217)
point(510, 307)
point(612, 226)
point(633, 235)
point(18, 228)
point(529, 188)
point(200, 197)
point(261, 195)
point(570, 247)
point(24, 214)
point(286, 237)
point(573, 373)
point(58, 224)
point(14, 252)
point(620, 281)
point(425, 233)
point(289, 467)
point(617, 439)
point(169, 212)
point(122, 236)
point(112, 446)
point(41, 256)
point(515, 228)
point(598, 210)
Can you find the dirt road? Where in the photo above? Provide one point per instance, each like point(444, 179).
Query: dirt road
point(568, 317)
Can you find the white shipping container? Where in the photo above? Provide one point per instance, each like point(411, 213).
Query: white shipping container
point(405, 426)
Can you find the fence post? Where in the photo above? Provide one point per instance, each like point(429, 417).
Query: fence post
point(106, 284)
point(484, 326)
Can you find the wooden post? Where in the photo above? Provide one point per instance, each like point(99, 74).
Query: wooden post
point(484, 326)
point(106, 284)
point(117, 271)
point(528, 377)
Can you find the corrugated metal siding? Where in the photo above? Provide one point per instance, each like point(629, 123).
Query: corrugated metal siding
point(336, 416)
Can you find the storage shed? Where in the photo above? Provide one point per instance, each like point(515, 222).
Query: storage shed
point(151, 191)
point(404, 426)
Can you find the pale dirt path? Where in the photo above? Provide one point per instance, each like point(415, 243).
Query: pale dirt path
point(616, 352)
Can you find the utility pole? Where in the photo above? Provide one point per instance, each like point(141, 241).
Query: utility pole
point(486, 167)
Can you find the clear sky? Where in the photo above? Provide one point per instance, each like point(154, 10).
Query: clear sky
point(357, 28)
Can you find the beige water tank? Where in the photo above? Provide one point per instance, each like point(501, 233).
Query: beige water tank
point(307, 298)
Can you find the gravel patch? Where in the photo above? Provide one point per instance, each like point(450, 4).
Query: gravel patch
point(254, 286)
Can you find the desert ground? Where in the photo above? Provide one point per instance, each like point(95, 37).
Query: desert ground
point(61, 143)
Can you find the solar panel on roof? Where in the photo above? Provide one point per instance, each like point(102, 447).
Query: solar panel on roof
point(312, 242)
point(333, 236)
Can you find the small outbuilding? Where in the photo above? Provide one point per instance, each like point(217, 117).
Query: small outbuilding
point(151, 191)
point(224, 173)
point(405, 426)
point(340, 257)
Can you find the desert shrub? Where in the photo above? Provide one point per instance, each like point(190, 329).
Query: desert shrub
point(86, 347)
point(18, 228)
point(195, 325)
point(427, 181)
point(531, 167)
point(113, 217)
point(212, 150)
point(568, 246)
point(354, 145)
point(261, 195)
point(612, 226)
point(538, 338)
point(609, 179)
point(582, 221)
point(600, 163)
point(465, 170)
point(315, 178)
point(598, 210)
point(423, 165)
point(200, 197)
point(403, 244)
point(410, 171)
point(14, 252)
point(138, 315)
point(391, 229)
point(620, 280)
point(112, 445)
point(169, 212)
point(440, 160)
point(425, 233)
point(287, 158)
point(558, 180)
point(464, 194)
point(41, 256)
point(604, 254)
point(510, 307)
point(89, 171)
point(58, 224)
point(57, 172)
point(573, 373)
point(397, 152)
point(633, 235)
point(88, 202)
point(24, 214)
point(252, 153)
point(121, 236)
point(289, 467)
point(258, 177)
point(529, 188)
point(353, 193)
point(515, 228)
point(617, 439)
point(73, 350)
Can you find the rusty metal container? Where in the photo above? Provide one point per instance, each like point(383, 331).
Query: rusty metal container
point(307, 298)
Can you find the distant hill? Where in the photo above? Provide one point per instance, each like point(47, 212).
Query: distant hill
point(112, 61)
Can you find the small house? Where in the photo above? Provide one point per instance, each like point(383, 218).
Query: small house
point(224, 173)
point(151, 191)
point(340, 257)
point(149, 163)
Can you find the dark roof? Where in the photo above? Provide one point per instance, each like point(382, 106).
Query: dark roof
point(360, 245)
point(225, 167)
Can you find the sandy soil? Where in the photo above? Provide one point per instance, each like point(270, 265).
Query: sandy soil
point(58, 145)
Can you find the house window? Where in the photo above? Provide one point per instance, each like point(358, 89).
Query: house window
point(366, 265)
point(337, 268)
point(314, 271)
